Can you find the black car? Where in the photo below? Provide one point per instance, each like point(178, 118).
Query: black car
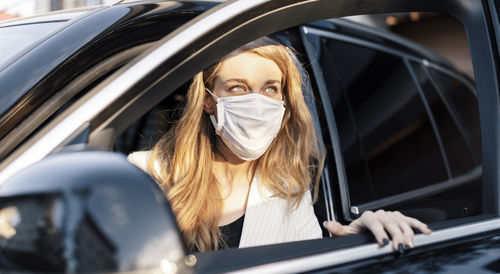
point(403, 130)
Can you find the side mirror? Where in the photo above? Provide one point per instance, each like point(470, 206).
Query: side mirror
point(88, 211)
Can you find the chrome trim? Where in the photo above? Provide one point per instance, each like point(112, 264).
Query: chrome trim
point(327, 195)
point(342, 256)
point(119, 85)
point(421, 192)
point(330, 198)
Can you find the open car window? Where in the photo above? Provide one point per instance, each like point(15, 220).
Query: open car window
point(406, 143)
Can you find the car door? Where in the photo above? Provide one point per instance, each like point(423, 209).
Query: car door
point(135, 88)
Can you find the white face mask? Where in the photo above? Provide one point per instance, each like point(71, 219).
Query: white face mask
point(248, 123)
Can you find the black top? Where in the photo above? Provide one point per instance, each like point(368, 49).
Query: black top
point(231, 233)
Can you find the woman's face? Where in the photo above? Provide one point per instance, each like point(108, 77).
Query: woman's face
point(241, 74)
point(246, 73)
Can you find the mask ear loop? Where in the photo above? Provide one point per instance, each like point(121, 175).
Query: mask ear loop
point(220, 114)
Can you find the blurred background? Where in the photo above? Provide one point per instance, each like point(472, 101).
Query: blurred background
point(435, 31)
point(438, 32)
point(19, 8)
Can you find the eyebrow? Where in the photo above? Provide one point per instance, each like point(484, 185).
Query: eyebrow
point(244, 81)
point(239, 80)
point(273, 82)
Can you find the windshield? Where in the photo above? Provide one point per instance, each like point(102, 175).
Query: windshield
point(16, 39)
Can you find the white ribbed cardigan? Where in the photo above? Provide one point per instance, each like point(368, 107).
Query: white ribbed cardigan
point(268, 220)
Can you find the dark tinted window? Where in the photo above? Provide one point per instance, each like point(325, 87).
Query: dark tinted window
point(462, 102)
point(387, 139)
point(456, 138)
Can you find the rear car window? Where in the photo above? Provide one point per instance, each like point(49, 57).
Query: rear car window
point(382, 122)
point(406, 123)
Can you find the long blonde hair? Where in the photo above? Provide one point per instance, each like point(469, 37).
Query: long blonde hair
point(186, 152)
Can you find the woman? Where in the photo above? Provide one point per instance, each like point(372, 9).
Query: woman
point(239, 166)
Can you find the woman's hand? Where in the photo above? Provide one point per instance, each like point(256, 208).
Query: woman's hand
point(398, 225)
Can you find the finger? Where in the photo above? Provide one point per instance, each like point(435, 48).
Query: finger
point(407, 233)
point(404, 225)
point(371, 222)
point(418, 225)
point(336, 228)
point(391, 225)
point(378, 231)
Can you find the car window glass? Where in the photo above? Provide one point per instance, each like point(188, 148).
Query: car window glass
point(462, 101)
point(387, 140)
point(399, 108)
point(456, 139)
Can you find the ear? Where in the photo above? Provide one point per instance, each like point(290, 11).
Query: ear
point(209, 104)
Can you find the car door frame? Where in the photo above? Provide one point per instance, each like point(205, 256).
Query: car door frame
point(207, 38)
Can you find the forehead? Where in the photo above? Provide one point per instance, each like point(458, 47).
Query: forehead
point(249, 66)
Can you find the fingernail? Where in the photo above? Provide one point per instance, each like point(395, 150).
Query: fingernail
point(401, 249)
point(324, 224)
point(409, 241)
point(385, 241)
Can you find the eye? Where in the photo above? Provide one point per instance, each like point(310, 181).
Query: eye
point(237, 89)
point(271, 89)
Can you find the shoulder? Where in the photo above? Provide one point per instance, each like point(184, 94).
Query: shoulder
point(140, 158)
